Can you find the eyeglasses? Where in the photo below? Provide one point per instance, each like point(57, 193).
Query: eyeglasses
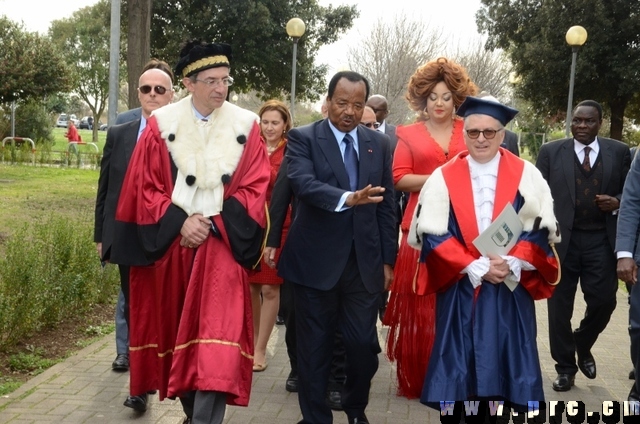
point(227, 81)
point(374, 125)
point(146, 89)
point(488, 134)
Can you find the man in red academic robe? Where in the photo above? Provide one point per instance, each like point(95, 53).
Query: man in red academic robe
point(485, 346)
point(195, 195)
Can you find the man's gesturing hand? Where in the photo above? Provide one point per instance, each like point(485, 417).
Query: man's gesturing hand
point(364, 196)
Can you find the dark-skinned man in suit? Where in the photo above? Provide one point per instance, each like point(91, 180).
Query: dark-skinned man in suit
point(379, 105)
point(341, 247)
point(586, 175)
point(155, 90)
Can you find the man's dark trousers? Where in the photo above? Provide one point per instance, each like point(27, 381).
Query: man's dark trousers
point(351, 308)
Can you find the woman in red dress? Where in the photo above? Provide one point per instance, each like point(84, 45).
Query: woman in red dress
point(275, 123)
point(435, 90)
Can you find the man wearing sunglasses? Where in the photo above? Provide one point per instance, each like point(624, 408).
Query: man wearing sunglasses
point(121, 363)
point(485, 344)
point(155, 90)
point(195, 196)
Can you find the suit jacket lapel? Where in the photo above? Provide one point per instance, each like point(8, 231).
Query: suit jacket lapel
point(567, 156)
point(365, 156)
point(329, 146)
point(130, 138)
point(607, 163)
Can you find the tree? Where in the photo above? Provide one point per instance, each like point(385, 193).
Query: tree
point(390, 54)
point(138, 44)
point(30, 65)
point(489, 70)
point(84, 37)
point(256, 31)
point(532, 33)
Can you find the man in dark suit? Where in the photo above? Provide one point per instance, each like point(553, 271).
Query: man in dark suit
point(341, 247)
point(628, 253)
point(378, 103)
point(129, 115)
point(511, 142)
point(121, 363)
point(281, 199)
point(586, 174)
point(154, 91)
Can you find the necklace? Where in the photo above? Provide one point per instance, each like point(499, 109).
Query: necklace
point(271, 149)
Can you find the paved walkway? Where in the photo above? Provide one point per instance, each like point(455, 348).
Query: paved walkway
point(83, 389)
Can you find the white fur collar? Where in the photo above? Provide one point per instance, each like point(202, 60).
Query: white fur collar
point(434, 203)
point(205, 151)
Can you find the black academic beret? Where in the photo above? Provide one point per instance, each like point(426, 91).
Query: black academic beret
point(474, 105)
point(197, 55)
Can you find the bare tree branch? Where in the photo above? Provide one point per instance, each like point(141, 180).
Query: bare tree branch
point(390, 54)
point(489, 70)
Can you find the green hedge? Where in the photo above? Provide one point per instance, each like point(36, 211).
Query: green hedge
point(50, 271)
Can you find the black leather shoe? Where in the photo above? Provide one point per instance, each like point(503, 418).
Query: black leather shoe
point(564, 382)
point(137, 403)
point(359, 420)
point(632, 374)
point(121, 363)
point(587, 364)
point(291, 385)
point(334, 400)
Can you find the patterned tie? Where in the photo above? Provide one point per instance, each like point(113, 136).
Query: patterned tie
point(351, 162)
point(586, 163)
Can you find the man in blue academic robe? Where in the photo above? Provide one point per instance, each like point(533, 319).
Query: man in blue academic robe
point(485, 345)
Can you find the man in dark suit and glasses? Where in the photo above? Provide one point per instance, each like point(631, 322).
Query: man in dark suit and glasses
point(341, 247)
point(586, 175)
point(155, 90)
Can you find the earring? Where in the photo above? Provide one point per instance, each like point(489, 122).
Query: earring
point(425, 114)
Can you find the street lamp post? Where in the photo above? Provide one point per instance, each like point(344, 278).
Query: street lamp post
point(576, 36)
point(295, 29)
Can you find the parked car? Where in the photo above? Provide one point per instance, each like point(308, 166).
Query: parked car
point(85, 123)
point(103, 127)
point(62, 120)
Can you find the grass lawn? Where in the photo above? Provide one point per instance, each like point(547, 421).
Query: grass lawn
point(87, 135)
point(28, 193)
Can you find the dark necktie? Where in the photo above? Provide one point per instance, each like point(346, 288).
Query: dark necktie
point(351, 162)
point(586, 162)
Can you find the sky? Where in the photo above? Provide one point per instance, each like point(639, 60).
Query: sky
point(457, 22)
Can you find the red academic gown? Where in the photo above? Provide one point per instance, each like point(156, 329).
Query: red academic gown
point(485, 342)
point(190, 312)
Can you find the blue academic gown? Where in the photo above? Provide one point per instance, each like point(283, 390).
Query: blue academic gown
point(485, 345)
